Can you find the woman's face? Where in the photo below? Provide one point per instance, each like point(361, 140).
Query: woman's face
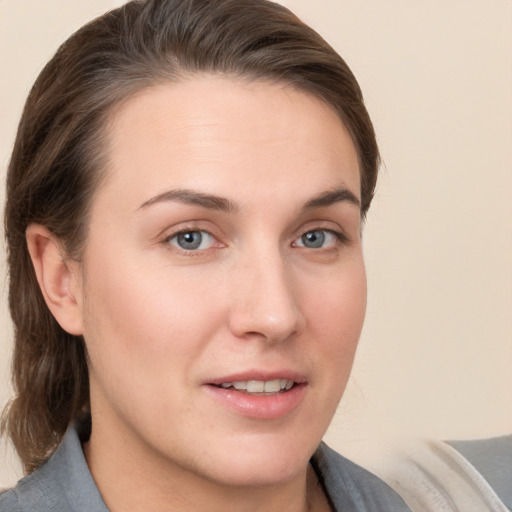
point(223, 265)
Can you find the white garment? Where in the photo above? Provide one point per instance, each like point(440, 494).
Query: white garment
point(431, 476)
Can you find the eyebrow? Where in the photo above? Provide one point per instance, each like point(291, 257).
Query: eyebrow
point(209, 201)
point(213, 202)
point(331, 197)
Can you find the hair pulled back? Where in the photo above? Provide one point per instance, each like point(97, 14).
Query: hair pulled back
point(60, 151)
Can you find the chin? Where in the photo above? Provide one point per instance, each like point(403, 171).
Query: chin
point(261, 473)
point(262, 463)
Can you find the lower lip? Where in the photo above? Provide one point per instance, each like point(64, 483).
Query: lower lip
point(264, 407)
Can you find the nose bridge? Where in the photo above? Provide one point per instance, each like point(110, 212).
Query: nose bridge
point(266, 303)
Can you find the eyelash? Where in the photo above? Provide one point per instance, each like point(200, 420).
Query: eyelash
point(188, 252)
point(340, 239)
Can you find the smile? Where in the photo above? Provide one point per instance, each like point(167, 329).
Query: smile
point(259, 399)
point(260, 386)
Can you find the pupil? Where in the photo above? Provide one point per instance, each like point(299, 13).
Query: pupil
point(313, 239)
point(190, 240)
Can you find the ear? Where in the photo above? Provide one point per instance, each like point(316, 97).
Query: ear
point(58, 278)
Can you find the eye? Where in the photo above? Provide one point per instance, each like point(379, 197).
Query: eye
point(192, 240)
point(317, 239)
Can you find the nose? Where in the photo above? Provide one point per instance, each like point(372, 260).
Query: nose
point(265, 303)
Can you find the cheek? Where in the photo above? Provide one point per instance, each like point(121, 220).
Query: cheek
point(143, 335)
point(143, 326)
point(336, 314)
point(132, 295)
point(338, 305)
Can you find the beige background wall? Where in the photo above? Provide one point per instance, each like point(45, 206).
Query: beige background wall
point(436, 354)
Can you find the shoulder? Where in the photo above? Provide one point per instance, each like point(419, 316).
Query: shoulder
point(9, 501)
point(351, 487)
point(63, 483)
point(35, 491)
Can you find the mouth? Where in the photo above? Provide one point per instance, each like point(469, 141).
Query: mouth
point(259, 387)
point(259, 394)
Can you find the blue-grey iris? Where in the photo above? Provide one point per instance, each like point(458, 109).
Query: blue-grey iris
point(313, 239)
point(190, 240)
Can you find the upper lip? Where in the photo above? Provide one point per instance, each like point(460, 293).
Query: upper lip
point(259, 375)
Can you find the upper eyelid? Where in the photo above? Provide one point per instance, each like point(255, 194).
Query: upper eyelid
point(186, 227)
point(167, 239)
point(186, 230)
point(182, 231)
point(338, 234)
point(332, 227)
point(198, 225)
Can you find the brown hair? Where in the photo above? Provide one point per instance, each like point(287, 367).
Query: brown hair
point(60, 150)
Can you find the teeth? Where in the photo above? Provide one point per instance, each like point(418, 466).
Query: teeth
point(273, 386)
point(255, 386)
point(260, 386)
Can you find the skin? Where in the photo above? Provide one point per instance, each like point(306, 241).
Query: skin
point(161, 322)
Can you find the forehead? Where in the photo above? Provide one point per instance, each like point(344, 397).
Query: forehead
point(217, 133)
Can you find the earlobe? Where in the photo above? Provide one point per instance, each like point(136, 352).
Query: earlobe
point(57, 278)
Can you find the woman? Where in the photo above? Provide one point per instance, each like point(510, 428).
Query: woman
point(184, 209)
